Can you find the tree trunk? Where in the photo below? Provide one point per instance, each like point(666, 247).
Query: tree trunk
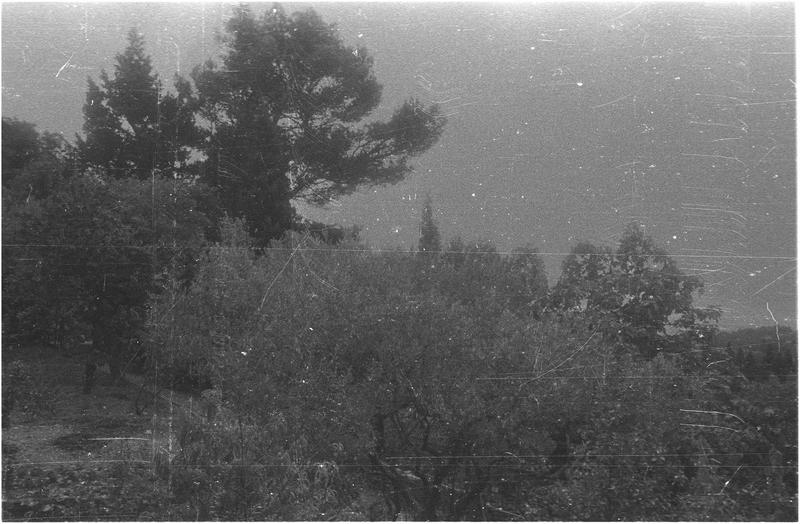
point(88, 375)
point(106, 345)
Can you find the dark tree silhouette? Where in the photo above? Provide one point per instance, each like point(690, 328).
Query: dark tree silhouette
point(429, 238)
point(281, 114)
point(132, 126)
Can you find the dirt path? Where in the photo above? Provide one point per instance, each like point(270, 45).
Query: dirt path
point(67, 454)
point(57, 425)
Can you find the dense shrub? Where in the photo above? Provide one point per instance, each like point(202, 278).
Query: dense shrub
point(347, 384)
point(82, 260)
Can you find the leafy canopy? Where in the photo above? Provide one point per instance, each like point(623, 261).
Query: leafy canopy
point(83, 251)
point(281, 114)
point(638, 293)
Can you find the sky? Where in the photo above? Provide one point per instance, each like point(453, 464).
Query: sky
point(566, 121)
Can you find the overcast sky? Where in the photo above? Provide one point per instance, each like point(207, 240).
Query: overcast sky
point(565, 121)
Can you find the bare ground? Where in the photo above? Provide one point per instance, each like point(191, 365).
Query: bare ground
point(69, 455)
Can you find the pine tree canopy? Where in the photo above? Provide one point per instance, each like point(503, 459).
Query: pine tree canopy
point(282, 113)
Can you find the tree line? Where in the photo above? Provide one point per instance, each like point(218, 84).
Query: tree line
point(278, 118)
point(451, 383)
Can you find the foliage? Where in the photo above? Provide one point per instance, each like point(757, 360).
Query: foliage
point(77, 491)
point(340, 383)
point(32, 161)
point(29, 311)
point(637, 294)
point(21, 391)
point(429, 238)
point(476, 275)
point(87, 250)
point(83, 260)
point(525, 285)
point(759, 353)
point(281, 114)
point(20, 145)
point(327, 233)
point(384, 399)
point(133, 128)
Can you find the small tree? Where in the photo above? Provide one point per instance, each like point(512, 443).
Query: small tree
point(429, 247)
point(429, 239)
point(84, 260)
point(40, 157)
point(21, 144)
point(581, 272)
point(637, 294)
point(34, 166)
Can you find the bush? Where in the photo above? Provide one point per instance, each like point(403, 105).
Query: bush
point(348, 385)
point(22, 392)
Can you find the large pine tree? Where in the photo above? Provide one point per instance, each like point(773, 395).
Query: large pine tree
point(282, 112)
